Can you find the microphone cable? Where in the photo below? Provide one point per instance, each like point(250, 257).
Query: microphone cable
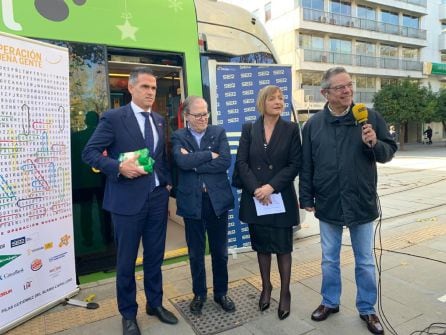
point(433, 328)
point(378, 258)
point(361, 115)
point(378, 261)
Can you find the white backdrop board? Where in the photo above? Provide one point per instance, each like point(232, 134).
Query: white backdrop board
point(37, 263)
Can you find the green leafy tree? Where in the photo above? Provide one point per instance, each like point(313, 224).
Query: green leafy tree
point(404, 102)
point(440, 113)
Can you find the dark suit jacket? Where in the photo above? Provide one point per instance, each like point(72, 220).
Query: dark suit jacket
point(118, 132)
point(278, 166)
point(197, 167)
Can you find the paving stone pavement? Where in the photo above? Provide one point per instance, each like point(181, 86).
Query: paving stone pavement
point(412, 191)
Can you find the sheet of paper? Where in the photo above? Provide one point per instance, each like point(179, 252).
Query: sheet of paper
point(275, 207)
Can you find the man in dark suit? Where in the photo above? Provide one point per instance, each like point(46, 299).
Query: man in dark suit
point(136, 199)
point(204, 196)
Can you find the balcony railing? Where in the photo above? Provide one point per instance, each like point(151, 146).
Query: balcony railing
point(422, 3)
point(363, 96)
point(322, 56)
point(314, 92)
point(360, 23)
point(360, 94)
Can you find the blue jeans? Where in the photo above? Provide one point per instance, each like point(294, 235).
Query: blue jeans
point(361, 237)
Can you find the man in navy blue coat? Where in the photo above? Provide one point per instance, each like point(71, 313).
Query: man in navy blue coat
point(204, 196)
point(136, 199)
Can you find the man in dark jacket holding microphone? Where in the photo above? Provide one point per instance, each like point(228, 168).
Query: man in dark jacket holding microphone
point(338, 183)
point(204, 196)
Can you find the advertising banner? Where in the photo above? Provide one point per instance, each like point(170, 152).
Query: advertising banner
point(37, 268)
point(237, 86)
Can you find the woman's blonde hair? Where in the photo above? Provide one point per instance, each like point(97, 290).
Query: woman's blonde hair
point(264, 93)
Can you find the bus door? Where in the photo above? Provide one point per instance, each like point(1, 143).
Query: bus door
point(170, 93)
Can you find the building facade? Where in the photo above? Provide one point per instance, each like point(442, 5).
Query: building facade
point(377, 41)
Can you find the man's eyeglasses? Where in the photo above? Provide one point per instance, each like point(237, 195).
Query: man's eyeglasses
point(199, 116)
point(340, 88)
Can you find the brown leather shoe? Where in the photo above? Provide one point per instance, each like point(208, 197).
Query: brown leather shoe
point(373, 323)
point(322, 312)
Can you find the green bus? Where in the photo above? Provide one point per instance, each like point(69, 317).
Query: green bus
point(106, 39)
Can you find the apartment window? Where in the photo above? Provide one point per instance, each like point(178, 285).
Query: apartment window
point(388, 51)
point(311, 42)
point(365, 82)
point(365, 48)
point(367, 18)
point(389, 81)
point(410, 60)
point(389, 17)
point(411, 21)
point(313, 48)
point(443, 25)
point(342, 46)
point(365, 12)
point(366, 54)
point(313, 4)
point(341, 51)
point(443, 57)
point(267, 11)
point(311, 84)
point(341, 12)
point(311, 79)
point(410, 53)
point(389, 57)
point(341, 7)
point(365, 88)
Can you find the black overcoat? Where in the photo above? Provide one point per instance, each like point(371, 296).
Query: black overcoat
point(277, 165)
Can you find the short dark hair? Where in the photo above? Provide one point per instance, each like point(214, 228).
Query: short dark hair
point(325, 81)
point(133, 76)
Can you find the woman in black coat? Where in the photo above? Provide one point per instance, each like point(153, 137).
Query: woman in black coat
point(268, 160)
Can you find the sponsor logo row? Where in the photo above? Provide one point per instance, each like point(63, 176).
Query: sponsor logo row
point(63, 241)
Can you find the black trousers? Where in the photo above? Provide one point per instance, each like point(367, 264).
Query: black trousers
point(217, 231)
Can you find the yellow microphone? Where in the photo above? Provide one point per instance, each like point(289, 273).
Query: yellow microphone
point(360, 113)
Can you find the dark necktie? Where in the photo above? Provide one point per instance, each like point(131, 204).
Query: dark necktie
point(148, 136)
point(148, 133)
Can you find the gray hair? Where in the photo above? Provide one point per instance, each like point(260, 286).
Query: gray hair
point(133, 76)
point(190, 100)
point(331, 72)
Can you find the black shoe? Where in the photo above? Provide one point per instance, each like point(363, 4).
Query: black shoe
point(263, 306)
point(283, 314)
point(226, 303)
point(130, 327)
point(163, 314)
point(265, 298)
point(196, 305)
point(322, 312)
